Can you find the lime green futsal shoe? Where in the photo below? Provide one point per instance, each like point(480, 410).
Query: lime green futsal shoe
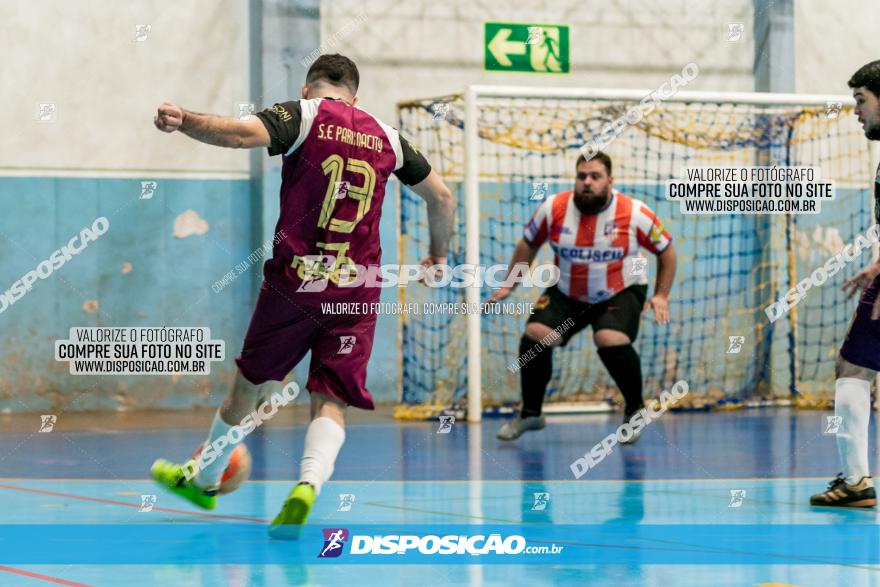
point(170, 476)
point(289, 521)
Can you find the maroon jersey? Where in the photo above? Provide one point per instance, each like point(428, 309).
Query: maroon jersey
point(337, 161)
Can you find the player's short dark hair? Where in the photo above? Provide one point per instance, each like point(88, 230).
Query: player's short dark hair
point(601, 156)
point(335, 69)
point(868, 77)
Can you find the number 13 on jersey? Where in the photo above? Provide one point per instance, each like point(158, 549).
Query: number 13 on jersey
point(332, 167)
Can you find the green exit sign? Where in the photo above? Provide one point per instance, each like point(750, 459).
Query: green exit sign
point(537, 48)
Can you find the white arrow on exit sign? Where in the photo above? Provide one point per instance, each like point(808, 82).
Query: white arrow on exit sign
point(500, 47)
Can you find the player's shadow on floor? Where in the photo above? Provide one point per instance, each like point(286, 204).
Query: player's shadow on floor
point(631, 501)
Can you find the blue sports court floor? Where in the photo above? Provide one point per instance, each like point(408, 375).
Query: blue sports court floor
point(658, 513)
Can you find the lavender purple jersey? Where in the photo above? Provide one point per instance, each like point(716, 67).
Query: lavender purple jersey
point(336, 162)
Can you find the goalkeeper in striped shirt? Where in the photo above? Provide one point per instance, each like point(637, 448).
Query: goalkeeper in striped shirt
point(596, 233)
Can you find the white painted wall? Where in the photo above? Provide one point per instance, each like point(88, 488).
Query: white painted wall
point(81, 56)
point(426, 48)
point(832, 42)
point(106, 87)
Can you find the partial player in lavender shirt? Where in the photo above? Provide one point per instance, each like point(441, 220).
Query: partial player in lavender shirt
point(337, 160)
point(859, 358)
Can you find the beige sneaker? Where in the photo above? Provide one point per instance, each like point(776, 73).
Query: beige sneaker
point(842, 494)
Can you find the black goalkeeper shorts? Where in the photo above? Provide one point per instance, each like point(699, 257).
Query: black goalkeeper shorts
point(622, 312)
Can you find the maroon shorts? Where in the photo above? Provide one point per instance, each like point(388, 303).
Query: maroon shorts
point(862, 344)
point(284, 327)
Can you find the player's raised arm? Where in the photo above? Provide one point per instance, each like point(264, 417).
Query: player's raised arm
point(441, 215)
point(222, 131)
point(523, 253)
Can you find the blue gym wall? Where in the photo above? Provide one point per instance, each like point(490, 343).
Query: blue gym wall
point(137, 274)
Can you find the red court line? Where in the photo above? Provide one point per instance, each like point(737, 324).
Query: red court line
point(55, 580)
point(133, 505)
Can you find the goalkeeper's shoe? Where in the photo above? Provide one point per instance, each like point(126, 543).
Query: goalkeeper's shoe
point(289, 521)
point(515, 427)
point(171, 476)
point(627, 414)
point(842, 494)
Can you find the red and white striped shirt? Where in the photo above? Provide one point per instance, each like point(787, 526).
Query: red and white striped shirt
point(595, 252)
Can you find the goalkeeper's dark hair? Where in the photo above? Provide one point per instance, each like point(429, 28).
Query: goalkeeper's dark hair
point(601, 156)
point(868, 77)
point(336, 70)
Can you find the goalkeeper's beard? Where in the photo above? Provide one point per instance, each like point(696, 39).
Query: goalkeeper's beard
point(589, 202)
point(873, 133)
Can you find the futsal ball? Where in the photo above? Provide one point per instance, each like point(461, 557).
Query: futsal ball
point(237, 471)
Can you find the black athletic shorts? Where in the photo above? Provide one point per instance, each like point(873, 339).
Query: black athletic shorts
point(622, 312)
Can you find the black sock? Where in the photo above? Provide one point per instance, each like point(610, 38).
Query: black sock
point(534, 375)
point(625, 368)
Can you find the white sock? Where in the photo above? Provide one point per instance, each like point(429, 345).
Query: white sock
point(324, 438)
point(852, 402)
point(211, 474)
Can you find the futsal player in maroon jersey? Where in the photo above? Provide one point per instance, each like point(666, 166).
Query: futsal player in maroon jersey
point(337, 159)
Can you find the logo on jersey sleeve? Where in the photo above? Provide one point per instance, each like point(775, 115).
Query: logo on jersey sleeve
point(282, 114)
point(657, 231)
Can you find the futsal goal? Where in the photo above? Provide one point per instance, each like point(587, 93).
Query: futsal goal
point(500, 148)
